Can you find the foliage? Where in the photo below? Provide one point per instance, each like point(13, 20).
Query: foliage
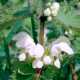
point(20, 15)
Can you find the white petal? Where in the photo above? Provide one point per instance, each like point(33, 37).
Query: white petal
point(32, 52)
point(37, 64)
point(47, 60)
point(57, 63)
point(37, 51)
point(55, 51)
point(66, 48)
point(47, 12)
point(29, 46)
point(22, 57)
point(23, 40)
point(19, 36)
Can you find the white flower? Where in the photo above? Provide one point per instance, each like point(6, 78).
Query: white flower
point(63, 46)
point(55, 50)
point(22, 57)
point(47, 12)
point(24, 43)
point(57, 63)
point(19, 36)
point(37, 51)
point(37, 64)
point(49, 18)
point(47, 60)
point(23, 40)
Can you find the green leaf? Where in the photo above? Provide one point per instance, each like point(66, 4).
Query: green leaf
point(17, 25)
point(69, 19)
point(50, 73)
point(3, 2)
point(23, 13)
point(24, 70)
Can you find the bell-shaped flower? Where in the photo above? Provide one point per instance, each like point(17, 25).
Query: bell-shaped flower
point(63, 46)
point(37, 64)
point(57, 63)
point(22, 57)
point(37, 51)
point(47, 60)
point(47, 12)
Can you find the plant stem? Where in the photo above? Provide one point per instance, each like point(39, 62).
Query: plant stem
point(74, 75)
point(41, 36)
point(37, 75)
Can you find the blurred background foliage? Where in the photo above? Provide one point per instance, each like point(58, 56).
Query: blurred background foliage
point(23, 15)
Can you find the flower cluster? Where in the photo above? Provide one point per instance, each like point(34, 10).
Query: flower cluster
point(38, 53)
point(51, 10)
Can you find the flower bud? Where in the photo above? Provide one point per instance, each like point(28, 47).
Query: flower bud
point(49, 18)
point(22, 57)
point(47, 12)
point(55, 8)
